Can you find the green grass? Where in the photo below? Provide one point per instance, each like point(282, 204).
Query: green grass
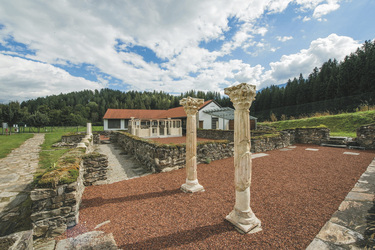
point(340, 125)
point(8, 143)
point(48, 156)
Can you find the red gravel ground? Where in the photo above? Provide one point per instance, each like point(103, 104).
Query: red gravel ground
point(293, 193)
point(176, 140)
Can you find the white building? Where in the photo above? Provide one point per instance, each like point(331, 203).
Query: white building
point(171, 122)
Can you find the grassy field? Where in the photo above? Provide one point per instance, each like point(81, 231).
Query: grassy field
point(340, 125)
point(8, 143)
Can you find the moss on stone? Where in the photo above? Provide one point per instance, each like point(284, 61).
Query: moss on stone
point(64, 171)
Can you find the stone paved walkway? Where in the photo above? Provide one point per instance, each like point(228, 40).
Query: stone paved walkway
point(16, 175)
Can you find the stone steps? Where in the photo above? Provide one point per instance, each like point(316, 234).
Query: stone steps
point(338, 142)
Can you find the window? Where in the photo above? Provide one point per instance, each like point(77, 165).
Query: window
point(214, 123)
point(114, 123)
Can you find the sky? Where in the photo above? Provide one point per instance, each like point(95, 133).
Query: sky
point(59, 46)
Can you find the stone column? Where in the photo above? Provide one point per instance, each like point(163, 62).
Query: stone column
point(191, 106)
point(242, 216)
point(89, 129)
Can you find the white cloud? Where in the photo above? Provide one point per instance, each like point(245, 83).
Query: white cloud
point(75, 32)
point(22, 79)
point(320, 50)
point(324, 9)
point(284, 38)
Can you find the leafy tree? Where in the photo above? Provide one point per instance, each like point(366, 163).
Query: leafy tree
point(38, 120)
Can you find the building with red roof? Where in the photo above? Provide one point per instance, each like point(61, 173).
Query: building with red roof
point(160, 123)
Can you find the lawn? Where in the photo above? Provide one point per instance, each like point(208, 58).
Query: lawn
point(8, 143)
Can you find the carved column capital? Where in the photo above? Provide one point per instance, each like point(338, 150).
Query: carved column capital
point(191, 105)
point(241, 95)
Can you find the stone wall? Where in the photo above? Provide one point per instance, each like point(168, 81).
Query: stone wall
point(270, 143)
point(216, 134)
point(263, 142)
point(366, 136)
point(162, 157)
point(95, 168)
point(76, 138)
point(56, 209)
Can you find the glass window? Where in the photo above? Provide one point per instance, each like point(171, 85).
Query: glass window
point(114, 123)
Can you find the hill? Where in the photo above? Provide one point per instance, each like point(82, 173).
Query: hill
point(340, 125)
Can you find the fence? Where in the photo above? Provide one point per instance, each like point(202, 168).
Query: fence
point(49, 129)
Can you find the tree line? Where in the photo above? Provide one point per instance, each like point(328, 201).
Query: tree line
point(334, 87)
point(77, 108)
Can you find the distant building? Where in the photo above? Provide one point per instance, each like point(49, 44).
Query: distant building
point(171, 122)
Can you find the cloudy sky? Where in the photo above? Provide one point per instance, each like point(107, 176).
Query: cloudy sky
point(59, 46)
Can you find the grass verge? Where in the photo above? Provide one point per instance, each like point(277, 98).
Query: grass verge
point(48, 156)
point(8, 143)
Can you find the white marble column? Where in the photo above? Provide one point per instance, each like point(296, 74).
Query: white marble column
point(89, 129)
point(191, 106)
point(242, 216)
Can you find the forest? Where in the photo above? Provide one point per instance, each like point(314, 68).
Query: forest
point(334, 87)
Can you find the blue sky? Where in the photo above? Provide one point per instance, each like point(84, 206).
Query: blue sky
point(53, 47)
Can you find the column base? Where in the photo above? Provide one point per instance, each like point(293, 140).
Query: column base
point(192, 187)
point(245, 222)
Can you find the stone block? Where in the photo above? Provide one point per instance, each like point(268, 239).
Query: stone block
point(40, 194)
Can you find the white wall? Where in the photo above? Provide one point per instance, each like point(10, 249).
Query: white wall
point(206, 118)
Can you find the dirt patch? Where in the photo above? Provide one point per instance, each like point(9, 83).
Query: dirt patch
point(293, 193)
point(176, 140)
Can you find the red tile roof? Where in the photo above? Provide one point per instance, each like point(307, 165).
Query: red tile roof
point(178, 112)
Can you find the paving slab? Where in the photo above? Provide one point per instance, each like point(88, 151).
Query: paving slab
point(312, 149)
point(16, 175)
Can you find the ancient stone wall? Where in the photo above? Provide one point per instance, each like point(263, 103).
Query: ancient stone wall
point(216, 134)
point(366, 136)
point(311, 135)
point(95, 168)
point(270, 143)
point(161, 157)
point(76, 138)
point(56, 209)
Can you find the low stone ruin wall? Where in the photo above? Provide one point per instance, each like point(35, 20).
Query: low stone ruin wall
point(56, 209)
point(366, 136)
point(95, 168)
point(264, 142)
point(270, 143)
point(162, 157)
point(311, 135)
point(216, 134)
point(76, 138)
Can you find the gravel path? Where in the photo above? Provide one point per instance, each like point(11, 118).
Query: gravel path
point(120, 166)
point(293, 193)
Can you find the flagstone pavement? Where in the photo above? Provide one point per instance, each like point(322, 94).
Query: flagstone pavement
point(16, 175)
